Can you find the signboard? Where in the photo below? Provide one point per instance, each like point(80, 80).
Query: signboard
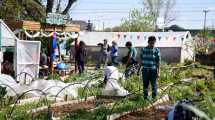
point(56, 19)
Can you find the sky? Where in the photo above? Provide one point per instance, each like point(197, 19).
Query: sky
point(188, 13)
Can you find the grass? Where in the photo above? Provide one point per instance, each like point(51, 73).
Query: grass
point(135, 86)
point(19, 112)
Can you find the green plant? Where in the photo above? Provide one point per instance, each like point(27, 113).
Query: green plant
point(3, 92)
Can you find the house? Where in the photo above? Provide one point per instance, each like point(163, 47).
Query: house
point(175, 46)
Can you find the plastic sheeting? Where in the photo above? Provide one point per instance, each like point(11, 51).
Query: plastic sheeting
point(50, 87)
point(112, 87)
point(27, 58)
point(7, 36)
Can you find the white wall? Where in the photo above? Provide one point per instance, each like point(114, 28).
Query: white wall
point(139, 39)
point(177, 40)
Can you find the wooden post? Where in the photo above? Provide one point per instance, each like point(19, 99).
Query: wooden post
point(76, 46)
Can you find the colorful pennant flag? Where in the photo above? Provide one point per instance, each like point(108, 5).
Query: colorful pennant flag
point(124, 36)
point(118, 35)
point(131, 37)
point(138, 37)
point(145, 37)
point(159, 38)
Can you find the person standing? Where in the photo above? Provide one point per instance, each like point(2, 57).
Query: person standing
point(81, 57)
point(132, 53)
point(150, 60)
point(114, 54)
point(104, 51)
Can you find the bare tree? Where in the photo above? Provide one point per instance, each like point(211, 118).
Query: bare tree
point(169, 15)
point(160, 8)
point(50, 6)
point(154, 8)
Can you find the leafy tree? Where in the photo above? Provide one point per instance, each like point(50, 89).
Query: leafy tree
point(22, 9)
point(137, 22)
point(33, 9)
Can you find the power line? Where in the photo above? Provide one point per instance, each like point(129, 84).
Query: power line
point(121, 11)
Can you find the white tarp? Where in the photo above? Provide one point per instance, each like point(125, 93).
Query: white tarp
point(27, 58)
point(50, 87)
point(112, 87)
point(139, 39)
point(7, 38)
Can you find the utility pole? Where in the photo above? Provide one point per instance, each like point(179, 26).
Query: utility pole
point(205, 22)
point(103, 26)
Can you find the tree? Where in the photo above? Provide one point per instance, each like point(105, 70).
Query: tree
point(50, 6)
point(160, 8)
point(22, 9)
point(168, 15)
point(33, 9)
point(137, 22)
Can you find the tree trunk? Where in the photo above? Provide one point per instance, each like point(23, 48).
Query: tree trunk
point(69, 5)
point(49, 6)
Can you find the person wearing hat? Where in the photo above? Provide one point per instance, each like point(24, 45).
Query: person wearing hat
point(104, 51)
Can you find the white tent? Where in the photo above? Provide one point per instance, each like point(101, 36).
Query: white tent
point(181, 40)
point(27, 53)
point(7, 39)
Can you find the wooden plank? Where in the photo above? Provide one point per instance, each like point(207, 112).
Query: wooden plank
point(36, 26)
point(13, 25)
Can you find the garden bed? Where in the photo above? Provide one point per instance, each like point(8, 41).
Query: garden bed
point(153, 113)
point(63, 108)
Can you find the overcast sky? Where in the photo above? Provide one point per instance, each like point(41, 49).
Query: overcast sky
point(189, 13)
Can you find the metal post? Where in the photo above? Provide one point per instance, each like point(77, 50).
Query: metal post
point(103, 26)
point(205, 22)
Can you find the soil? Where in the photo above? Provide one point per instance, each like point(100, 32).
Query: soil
point(68, 108)
point(149, 114)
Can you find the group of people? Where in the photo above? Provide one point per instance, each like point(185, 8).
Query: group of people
point(149, 60)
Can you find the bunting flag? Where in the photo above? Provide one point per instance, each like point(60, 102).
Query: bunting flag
point(138, 37)
point(145, 37)
point(118, 35)
point(159, 38)
point(167, 38)
point(182, 39)
point(124, 36)
point(174, 38)
point(131, 37)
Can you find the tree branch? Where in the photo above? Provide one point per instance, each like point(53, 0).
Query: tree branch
point(49, 6)
point(69, 5)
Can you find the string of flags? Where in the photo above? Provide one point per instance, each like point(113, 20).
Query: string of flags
point(145, 37)
point(59, 36)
